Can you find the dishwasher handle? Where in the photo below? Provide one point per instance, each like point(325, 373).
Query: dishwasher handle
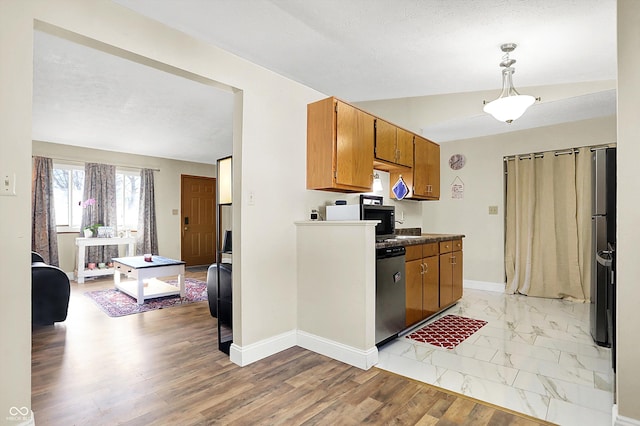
point(386, 252)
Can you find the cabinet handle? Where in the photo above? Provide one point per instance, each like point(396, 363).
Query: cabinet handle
point(422, 269)
point(453, 260)
point(426, 267)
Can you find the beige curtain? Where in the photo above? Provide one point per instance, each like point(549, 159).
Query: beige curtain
point(548, 236)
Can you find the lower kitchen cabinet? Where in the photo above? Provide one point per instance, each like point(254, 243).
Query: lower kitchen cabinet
point(421, 272)
point(450, 272)
point(433, 275)
point(431, 287)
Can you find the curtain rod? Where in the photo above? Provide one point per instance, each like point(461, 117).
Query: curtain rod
point(84, 162)
point(556, 153)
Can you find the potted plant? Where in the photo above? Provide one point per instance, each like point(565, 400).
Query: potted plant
point(90, 231)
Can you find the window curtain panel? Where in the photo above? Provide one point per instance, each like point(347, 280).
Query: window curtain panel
point(147, 238)
point(44, 238)
point(100, 185)
point(548, 232)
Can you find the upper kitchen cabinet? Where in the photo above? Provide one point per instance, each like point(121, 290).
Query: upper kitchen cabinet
point(423, 179)
point(340, 144)
point(393, 146)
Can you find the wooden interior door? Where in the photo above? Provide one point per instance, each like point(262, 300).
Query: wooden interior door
point(198, 220)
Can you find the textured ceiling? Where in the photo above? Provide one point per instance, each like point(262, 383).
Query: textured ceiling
point(357, 50)
point(85, 97)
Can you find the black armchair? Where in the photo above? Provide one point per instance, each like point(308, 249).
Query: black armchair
point(50, 292)
point(212, 285)
point(36, 257)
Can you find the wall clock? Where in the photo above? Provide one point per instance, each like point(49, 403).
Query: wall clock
point(457, 161)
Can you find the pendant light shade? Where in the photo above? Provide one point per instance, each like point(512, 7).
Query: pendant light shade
point(510, 105)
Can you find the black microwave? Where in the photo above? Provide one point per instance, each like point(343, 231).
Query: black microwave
point(385, 214)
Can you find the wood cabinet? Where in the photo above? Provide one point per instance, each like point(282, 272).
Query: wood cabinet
point(340, 141)
point(345, 144)
point(450, 272)
point(421, 277)
point(393, 144)
point(423, 179)
point(433, 277)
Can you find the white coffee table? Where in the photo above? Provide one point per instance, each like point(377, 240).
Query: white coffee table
point(146, 285)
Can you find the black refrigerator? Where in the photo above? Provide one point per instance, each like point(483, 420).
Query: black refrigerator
point(603, 240)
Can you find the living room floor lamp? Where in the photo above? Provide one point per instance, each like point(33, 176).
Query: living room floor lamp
point(224, 180)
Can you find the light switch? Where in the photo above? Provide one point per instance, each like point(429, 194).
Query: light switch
point(493, 209)
point(8, 184)
point(174, 212)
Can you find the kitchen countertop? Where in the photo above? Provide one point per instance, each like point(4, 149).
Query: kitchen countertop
point(401, 240)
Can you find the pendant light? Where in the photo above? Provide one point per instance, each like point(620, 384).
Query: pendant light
point(510, 105)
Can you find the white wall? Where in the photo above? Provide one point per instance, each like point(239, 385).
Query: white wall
point(269, 160)
point(337, 302)
point(15, 231)
point(628, 260)
point(167, 195)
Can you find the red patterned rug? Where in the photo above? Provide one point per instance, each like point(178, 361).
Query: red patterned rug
point(447, 332)
point(116, 304)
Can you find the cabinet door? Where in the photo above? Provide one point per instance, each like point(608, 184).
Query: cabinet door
point(426, 177)
point(430, 286)
point(354, 147)
point(385, 141)
point(413, 283)
point(421, 164)
point(433, 170)
point(446, 279)
point(457, 275)
point(404, 148)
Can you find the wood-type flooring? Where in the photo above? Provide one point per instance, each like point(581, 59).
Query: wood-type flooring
point(163, 368)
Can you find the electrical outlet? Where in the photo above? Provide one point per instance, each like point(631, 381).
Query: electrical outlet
point(251, 199)
point(8, 184)
point(493, 209)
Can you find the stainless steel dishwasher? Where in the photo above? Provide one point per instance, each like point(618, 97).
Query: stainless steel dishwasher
point(390, 293)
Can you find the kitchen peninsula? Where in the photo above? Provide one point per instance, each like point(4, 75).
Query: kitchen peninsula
point(336, 284)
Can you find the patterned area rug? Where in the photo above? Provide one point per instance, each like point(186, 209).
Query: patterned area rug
point(116, 304)
point(447, 332)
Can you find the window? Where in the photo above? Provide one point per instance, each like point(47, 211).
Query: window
point(68, 187)
point(68, 184)
point(127, 199)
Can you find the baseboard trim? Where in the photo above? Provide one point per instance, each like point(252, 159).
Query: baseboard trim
point(484, 285)
point(245, 355)
point(338, 351)
point(619, 420)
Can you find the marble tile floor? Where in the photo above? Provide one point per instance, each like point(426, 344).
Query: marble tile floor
point(534, 356)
